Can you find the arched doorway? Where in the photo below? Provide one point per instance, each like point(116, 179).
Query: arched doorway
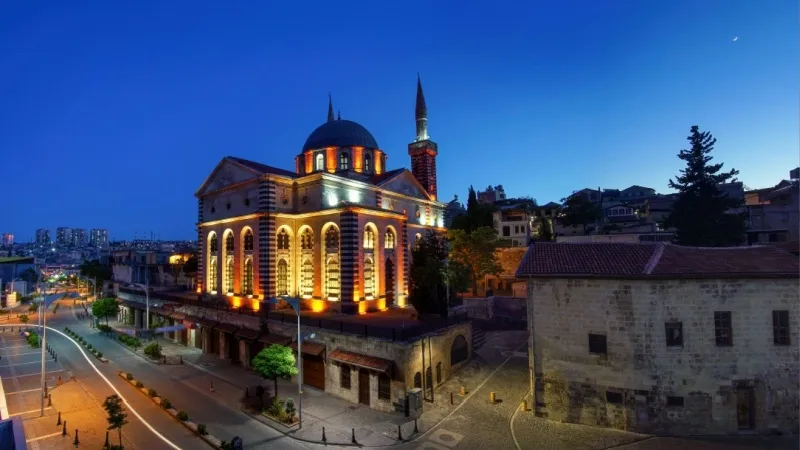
point(389, 283)
point(459, 351)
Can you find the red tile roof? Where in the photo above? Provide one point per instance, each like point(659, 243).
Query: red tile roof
point(359, 360)
point(310, 348)
point(630, 260)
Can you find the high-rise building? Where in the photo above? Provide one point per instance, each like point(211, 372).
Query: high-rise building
point(8, 239)
point(43, 236)
point(79, 237)
point(64, 236)
point(98, 237)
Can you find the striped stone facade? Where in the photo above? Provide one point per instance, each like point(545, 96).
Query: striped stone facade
point(266, 239)
point(378, 199)
point(406, 257)
point(349, 254)
point(201, 248)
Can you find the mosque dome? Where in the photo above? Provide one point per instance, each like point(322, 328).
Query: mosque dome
point(340, 133)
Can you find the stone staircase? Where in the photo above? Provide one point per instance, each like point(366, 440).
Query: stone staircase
point(478, 335)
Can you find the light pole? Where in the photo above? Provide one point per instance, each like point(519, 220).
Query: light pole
point(44, 342)
point(294, 302)
point(147, 299)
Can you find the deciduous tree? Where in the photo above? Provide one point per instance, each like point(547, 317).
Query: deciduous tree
point(105, 307)
point(427, 290)
point(275, 361)
point(116, 415)
point(579, 211)
point(476, 251)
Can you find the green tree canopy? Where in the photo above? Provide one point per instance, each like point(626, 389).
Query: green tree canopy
point(29, 275)
point(105, 307)
point(94, 270)
point(477, 215)
point(475, 250)
point(116, 414)
point(275, 361)
point(545, 229)
point(703, 215)
point(579, 211)
point(190, 266)
point(427, 290)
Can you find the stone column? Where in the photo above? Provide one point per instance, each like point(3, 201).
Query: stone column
point(205, 337)
point(222, 340)
point(348, 227)
point(137, 318)
point(244, 353)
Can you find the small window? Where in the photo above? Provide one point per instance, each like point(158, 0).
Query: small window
point(674, 401)
point(506, 230)
point(674, 332)
point(367, 161)
point(614, 397)
point(780, 327)
point(597, 344)
point(320, 162)
point(344, 161)
point(723, 328)
point(384, 387)
point(344, 376)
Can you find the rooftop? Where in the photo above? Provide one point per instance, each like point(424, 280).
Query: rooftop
point(17, 260)
point(655, 260)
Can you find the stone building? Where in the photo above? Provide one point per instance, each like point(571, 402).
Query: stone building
point(662, 338)
point(335, 231)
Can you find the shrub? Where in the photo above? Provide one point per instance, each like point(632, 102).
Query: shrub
point(183, 416)
point(139, 384)
point(153, 350)
point(290, 410)
point(104, 328)
point(152, 392)
point(99, 354)
point(89, 346)
point(225, 445)
point(276, 407)
point(129, 377)
point(33, 308)
point(201, 429)
point(165, 403)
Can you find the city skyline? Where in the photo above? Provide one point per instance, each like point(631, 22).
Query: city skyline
point(147, 112)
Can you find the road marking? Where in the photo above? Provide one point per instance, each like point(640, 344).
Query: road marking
point(33, 374)
point(22, 364)
point(31, 411)
point(113, 388)
point(22, 392)
point(43, 437)
point(23, 354)
point(18, 346)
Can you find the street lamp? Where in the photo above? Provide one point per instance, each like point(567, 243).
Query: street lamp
point(43, 343)
point(147, 299)
point(294, 302)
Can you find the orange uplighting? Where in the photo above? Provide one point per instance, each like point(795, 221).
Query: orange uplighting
point(358, 160)
point(309, 162)
point(378, 162)
point(331, 159)
point(362, 307)
point(317, 305)
point(237, 302)
point(382, 304)
point(256, 305)
point(199, 288)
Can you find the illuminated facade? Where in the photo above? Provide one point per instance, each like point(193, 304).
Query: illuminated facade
point(335, 232)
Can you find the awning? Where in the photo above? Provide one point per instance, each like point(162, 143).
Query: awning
point(359, 360)
point(226, 327)
point(310, 348)
point(272, 339)
point(247, 333)
point(177, 315)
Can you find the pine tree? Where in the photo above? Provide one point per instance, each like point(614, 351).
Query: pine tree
point(472, 199)
point(703, 215)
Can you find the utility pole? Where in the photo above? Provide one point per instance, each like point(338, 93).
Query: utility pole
point(43, 343)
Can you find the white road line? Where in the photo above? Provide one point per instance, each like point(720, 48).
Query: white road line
point(114, 388)
point(43, 437)
point(19, 346)
point(33, 374)
point(31, 411)
point(22, 364)
point(22, 392)
point(23, 354)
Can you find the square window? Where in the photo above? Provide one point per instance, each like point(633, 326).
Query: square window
point(674, 333)
point(506, 230)
point(614, 397)
point(674, 401)
point(780, 327)
point(597, 344)
point(384, 387)
point(723, 328)
point(344, 376)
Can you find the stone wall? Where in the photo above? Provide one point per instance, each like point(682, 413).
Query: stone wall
point(640, 382)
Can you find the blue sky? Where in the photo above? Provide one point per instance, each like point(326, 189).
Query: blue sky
point(113, 113)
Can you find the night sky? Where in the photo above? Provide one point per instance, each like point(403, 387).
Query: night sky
point(112, 115)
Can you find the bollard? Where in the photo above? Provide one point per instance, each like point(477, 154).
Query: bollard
point(211, 383)
point(180, 357)
point(55, 357)
point(524, 405)
point(49, 399)
point(463, 391)
point(492, 397)
point(107, 444)
point(451, 398)
point(399, 433)
point(324, 439)
point(64, 430)
point(45, 390)
point(76, 441)
point(416, 430)
point(58, 424)
point(353, 439)
point(58, 383)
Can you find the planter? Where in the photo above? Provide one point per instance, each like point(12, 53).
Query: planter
point(280, 422)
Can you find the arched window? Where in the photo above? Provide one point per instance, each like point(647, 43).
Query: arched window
point(428, 378)
point(229, 275)
point(332, 278)
point(212, 243)
point(459, 351)
point(418, 380)
point(247, 279)
point(248, 240)
point(212, 274)
point(344, 161)
point(367, 161)
point(388, 240)
point(320, 162)
point(283, 278)
point(283, 239)
point(229, 242)
point(332, 240)
point(307, 278)
point(369, 278)
point(307, 240)
point(369, 238)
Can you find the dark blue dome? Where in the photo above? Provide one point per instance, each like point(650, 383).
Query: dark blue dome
point(340, 133)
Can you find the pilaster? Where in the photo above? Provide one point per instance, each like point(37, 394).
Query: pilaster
point(348, 222)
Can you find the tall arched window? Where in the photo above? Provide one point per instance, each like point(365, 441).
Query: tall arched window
point(212, 274)
point(307, 278)
point(367, 161)
point(388, 241)
point(369, 238)
point(369, 278)
point(212, 244)
point(247, 279)
point(229, 242)
point(344, 161)
point(332, 285)
point(320, 162)
point(283, 278)
point(332, 239)
point(229, 274)
point(307, 240)
point(248, 240)
point(283, 239)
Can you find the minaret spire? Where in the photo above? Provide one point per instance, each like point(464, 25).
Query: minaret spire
point(330, 108)
point(421, 113)
point(339, 115)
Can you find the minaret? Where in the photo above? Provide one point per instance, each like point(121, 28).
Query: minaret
point(423, 151)
point(330, 108)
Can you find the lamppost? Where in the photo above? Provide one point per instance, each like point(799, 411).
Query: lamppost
point(146, 288)
point(43, 344)
point(294, 302)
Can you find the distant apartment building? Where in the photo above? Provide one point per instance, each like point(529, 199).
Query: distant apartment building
point(774, 214)
point(79, 237)
point(8, 239)
point(513, 221)
point(63, 236)
point(98, 237)
point(492, 194)
point(43, 236)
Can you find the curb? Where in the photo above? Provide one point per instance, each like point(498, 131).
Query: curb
point(79, 339)
point(208, 438)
